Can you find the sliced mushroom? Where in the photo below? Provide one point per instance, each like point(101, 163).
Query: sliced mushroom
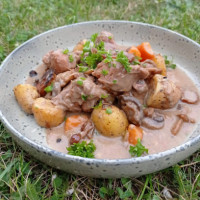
point(45, 81)
point(176, 126)
point(148, 112)
point(189, 97)
point(156, 122)
point(185, 118)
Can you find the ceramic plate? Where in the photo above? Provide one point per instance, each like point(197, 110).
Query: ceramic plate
point(31, 137)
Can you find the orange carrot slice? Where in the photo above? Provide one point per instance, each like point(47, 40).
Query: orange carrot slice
point(146, 51)
point(135, 133)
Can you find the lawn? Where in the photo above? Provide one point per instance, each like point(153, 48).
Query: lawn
point(21, 176)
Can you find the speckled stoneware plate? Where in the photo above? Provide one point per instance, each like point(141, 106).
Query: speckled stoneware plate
point(31, 137)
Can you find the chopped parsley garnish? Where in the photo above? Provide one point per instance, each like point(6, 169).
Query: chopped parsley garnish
point(114, 65)
point(138, 149)
point(110, 37)
point(108, 58)
point(82, 69)
point(66, 51)
point(79, 82)
point(71, 59)
point(123, 60)
point(86, 47)
point(101, 46)
point(49, 88)
point(94, 37)
point(83, 78)
point(104, 72)
point(93, 59)
point(84, 97)
point(169, 63)
point(108, 110)
point(114, 81)
point(82, 149)
point(136, 62)
point(104, 96)
point(99, 105)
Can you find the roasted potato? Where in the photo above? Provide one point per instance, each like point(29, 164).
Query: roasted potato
point(46, 113)
point(160, 63)
point(110, 121)
point(26, 95)
point(163, 93)
point(79, 46)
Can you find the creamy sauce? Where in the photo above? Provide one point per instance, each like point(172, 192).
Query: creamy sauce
point(155, 140)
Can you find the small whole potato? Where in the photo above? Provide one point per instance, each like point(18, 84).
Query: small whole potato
point(80, 45)
point(110, 121)
point(26, 95)
point(163, 93)
point(46, 113)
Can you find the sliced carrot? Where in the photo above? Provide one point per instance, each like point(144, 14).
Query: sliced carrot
point(74, 121)
point(135, 133)
point(134, 50)
point(146, 51)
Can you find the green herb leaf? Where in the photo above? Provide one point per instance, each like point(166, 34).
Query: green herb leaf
point(83, 78)
point(123, 60)
point(94, 37)
point(169, 63)
point(71, 59)
point(93, 59)
point(82, 69)
point(82, 149)
point(49, 88)
point(108, 58)
point(109, 37)
point(103, 96)
point(108, 110)
point(138, 149)
point(86, 47)
point(104, 72)
point(114, 81)
point(79, 82)
point(66, 51)
point(84, 97)
point(101, 46)
point(99, 105)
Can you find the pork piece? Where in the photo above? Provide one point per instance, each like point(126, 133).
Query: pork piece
point(60, 62)
point(118, 79)
point(80, 94)
point(62, 80)
point(108, 39)
point(150, 66)
point(132, 107)
point(189, 97)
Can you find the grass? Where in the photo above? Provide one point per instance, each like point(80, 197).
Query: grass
point(22, 177)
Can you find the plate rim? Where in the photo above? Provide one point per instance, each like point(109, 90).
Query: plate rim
point(54, 153)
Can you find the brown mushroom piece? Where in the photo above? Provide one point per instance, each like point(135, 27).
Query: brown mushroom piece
point(45, 81)
point(155, 122)
point(177, 126)
point(189, 97)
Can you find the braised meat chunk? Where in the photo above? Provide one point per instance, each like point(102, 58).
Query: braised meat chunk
point(61, 62)
point(80, 95)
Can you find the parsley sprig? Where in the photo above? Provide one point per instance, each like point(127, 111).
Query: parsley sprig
point(169, 63)
point(82, 149)
point(138, 149)
point(124, 61)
